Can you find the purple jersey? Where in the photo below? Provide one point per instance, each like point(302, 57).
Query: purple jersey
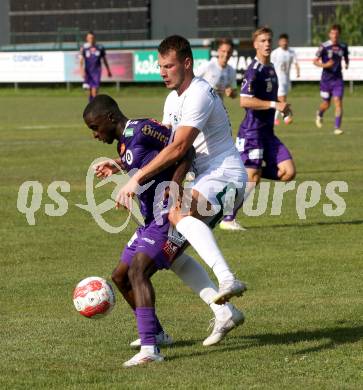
point(256, 140)
point(141, 141)
point(327, 51)
point(92, 56)
point(260, 81)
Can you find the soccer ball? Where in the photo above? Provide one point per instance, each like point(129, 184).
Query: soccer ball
point(94, 297)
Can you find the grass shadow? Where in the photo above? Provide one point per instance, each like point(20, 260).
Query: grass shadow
point(307, 225)
point(334, 336)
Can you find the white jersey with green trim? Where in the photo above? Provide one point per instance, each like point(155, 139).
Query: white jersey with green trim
point(200, 107)
point(282, 60)
point(219, 78)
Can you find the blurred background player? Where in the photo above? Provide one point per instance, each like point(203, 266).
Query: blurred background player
point(220, 75)
point(329, 57)
point(256, 140)
point(282, 58)
point(91, 55)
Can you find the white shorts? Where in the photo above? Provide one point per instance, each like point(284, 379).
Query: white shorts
point(284, 88)
point(223, 187)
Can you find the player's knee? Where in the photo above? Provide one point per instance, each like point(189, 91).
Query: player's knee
point(136, 271)
point(119, 279)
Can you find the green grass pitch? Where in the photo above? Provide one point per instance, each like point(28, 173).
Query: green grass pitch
point(304, 306)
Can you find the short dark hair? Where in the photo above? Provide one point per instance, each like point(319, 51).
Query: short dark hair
point(178, 43)
point(224, 41)
point(337, 27)
point(284, 36)
point(101, 105)
point(260, 31)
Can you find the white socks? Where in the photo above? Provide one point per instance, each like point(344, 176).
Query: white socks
point(196, 277)
point(202, 240)
point(277, 113)
point(149, 349)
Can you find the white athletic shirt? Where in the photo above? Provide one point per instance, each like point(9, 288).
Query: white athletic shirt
point(219, 78)
point(200, 107)
point(282, 60)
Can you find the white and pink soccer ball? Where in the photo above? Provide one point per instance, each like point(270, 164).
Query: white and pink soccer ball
point(94, 297)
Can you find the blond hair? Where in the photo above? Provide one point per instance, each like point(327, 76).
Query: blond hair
point(260, 31)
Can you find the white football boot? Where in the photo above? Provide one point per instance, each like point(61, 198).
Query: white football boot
point(318, 121)
point(338, 132)
point(162, 339)
point(231, 225)
point(222, 327)
point(145, 356)
point(229, 289)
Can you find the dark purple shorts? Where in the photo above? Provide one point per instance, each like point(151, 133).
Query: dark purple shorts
point(333, 88)
point(151, 240)
point(261, 146)
point(93, 80)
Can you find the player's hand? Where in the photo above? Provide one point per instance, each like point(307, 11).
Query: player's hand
point(126, 193)
point(228, 92)
point(105, 168)
point(328, 64)
point(109, 74)
point(283, 107)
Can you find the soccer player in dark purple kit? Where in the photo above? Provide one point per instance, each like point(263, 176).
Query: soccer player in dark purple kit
point(151, 248)
point(91, 55)
point(329, 57)
point(262, 153)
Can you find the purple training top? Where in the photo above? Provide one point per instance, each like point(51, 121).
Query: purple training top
point(260, 81)
point(141, 141)
point(92, 58)
point(328, 51)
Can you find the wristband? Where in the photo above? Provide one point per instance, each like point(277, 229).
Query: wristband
point(272, 104)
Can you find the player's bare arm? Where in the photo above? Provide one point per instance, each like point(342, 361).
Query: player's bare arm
point(107, 168)
point(183, 141)
point(297, 68)
point(109, 73)
point(317, 62)
point(183, 167)
point(184, 138)
point(258, 104)
point(81, 67)
point(346, 61)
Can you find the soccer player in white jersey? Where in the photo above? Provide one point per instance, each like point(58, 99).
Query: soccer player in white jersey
point(219, 74)
point(197, 117)
point(282, 58)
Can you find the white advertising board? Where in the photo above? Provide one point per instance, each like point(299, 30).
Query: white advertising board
point(32, 66)
point(309, 72)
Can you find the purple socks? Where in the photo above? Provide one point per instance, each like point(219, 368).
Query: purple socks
point(230, 218)
point(148, 325)
point(338, 121)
